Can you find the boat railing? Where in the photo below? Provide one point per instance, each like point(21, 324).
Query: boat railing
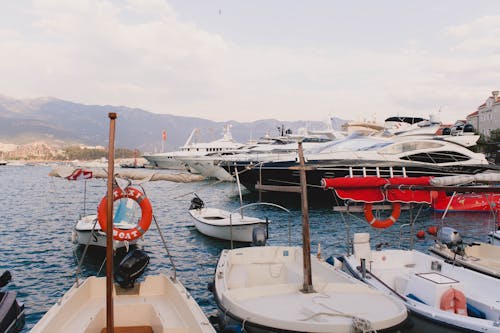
point(240, 211)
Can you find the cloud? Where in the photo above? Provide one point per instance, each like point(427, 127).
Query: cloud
point(140, 53)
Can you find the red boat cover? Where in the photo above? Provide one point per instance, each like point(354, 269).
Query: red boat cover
point(409, 195)
point(361, 189)
point(372, 189)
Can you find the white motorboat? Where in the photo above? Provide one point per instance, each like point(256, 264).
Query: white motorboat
point(441, 297)
point(222, 224)
point(260, 288)
point(286, 289)
point(87, 231)
point(478, 256)
point(157, 304)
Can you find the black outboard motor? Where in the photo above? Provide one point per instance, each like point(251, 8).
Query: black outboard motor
point(196, 203)
point(131, 267)
point(5, 278)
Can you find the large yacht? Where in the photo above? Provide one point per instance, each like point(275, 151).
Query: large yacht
point(209, 164)
point(414, 153)
point(174, 159)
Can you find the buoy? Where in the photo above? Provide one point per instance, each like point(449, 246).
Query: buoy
point(432, 230)
point(420, 234)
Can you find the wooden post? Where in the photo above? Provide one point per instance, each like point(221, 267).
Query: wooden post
point(306, 242)
point(109, 233)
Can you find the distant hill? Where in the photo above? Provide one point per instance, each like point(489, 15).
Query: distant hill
point(63, 123)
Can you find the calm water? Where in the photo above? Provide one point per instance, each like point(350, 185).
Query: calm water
point(38, 213)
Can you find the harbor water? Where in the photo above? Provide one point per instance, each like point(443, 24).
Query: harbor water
point(38, 213)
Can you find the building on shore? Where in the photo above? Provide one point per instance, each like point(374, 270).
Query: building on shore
point(487, 116)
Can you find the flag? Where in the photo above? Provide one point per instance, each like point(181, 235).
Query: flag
point(80, 174)
point(164, 135)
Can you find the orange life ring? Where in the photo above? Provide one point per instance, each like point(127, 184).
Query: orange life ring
point(454, 301)
point(382, 224)
point(144, 222)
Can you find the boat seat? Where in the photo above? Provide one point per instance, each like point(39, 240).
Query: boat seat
point(237, 277)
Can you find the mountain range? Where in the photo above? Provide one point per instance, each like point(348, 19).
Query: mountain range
point(63, 123)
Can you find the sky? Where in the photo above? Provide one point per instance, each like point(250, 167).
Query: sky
point(248, 60)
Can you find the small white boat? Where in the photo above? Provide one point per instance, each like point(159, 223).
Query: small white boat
point(87, 231)
point(480, 257)
point(440, 296)
point(161, 303)
point(260, 288)
point(222, 224)
point(157, 304)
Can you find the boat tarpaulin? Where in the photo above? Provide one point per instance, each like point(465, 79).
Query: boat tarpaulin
point(376, 189)
point(360, 189)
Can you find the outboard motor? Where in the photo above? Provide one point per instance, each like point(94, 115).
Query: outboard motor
point(131, 267)
point(259, 236)
point(5, 278)
point(449, 236)
point(196, 203)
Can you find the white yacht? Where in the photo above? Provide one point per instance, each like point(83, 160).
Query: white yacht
point(415, 152)
point(177, 159)
point(265, 148)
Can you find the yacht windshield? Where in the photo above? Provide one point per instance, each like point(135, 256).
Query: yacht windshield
point(355, 142)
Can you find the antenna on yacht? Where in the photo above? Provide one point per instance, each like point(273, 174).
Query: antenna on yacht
point(109, 234)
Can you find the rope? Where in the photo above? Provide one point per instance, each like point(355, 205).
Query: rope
point(163, 241)
point(78, 268)
point(359, 324)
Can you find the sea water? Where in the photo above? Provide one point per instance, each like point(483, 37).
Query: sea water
point(38, 213)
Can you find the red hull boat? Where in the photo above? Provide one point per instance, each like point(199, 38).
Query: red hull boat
point(466, 202)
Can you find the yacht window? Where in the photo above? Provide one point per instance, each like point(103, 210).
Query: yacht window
point(437, 157)
point(403, 147)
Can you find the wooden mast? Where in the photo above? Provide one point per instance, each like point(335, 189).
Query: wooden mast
point(306, 245)
point(109, 234)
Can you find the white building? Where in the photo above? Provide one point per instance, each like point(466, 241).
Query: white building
point(489, 115)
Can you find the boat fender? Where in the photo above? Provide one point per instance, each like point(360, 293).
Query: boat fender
point(210, 286)
point(146, 214)
point(454, 300)
point(259, 236)
point(382, 224)
point(432, 230)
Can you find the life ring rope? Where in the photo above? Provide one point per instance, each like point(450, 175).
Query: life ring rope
point(146, 214)
point(382, 224)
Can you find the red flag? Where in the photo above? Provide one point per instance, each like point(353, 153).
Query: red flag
point(164, 135)
point(80, 174)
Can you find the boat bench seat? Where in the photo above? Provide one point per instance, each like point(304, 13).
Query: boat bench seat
point(242, 276)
